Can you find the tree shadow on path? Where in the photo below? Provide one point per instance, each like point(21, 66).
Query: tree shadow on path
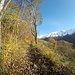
point(41, 65)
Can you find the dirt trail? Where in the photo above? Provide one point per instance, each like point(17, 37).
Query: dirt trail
point(36, 64)
point(39, 64)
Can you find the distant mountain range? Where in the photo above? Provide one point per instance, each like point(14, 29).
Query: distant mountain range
point(65, 35)
point(59, 33)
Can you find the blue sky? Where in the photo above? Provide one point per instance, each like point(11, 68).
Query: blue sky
point(57, 15)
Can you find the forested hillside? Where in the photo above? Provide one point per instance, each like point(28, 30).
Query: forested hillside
point(69, 38)
point(21, 52)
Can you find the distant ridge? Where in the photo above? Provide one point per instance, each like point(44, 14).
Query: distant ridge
point(59, 33)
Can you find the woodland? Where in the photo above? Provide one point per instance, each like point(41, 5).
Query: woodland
point(21, 52)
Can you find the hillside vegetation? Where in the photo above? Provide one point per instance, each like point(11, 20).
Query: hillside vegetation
point(22, 55)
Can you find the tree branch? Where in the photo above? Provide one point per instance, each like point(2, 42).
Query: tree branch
point(1, 5)
point(6, 5)
point(4, 8)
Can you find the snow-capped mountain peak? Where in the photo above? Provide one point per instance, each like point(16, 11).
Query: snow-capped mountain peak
point(58, 33)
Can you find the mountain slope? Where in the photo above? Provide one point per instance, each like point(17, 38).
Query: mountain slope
point(59, 33)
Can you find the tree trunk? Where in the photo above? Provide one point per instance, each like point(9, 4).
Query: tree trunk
point(2, 10)
point(35, 33)
point(1, 7)
point(0, 34)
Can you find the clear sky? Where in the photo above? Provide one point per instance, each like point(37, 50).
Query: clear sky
point(57, 15)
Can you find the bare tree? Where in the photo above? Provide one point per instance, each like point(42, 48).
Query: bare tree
point(35, 16)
